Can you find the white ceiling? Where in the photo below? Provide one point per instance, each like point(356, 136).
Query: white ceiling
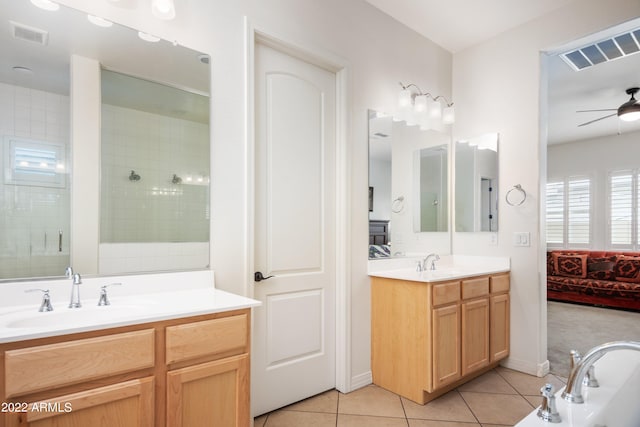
point(459, 24)
point(116, 48)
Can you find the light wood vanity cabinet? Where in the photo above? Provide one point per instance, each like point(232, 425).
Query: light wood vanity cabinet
point(429, 337)
point(176, 373)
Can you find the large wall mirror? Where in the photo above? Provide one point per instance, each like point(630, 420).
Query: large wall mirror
point(476, 181)
point(154, 146)
point(408, 188)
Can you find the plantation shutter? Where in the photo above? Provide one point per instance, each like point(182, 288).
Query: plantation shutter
point(579, 211)
point(555, 213)
point(621, 208)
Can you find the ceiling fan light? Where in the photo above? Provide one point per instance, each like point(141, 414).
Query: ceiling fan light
point(630, 116)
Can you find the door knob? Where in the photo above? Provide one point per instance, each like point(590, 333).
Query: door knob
point(258, 277)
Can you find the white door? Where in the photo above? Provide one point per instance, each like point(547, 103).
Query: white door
point(293, 355)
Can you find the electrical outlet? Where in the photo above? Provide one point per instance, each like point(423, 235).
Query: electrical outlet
point(493, 239)
point(521, 238)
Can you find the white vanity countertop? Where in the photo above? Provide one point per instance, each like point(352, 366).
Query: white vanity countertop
point(21, 322)
point(449, 267)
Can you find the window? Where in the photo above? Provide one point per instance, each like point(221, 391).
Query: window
point(34, 163)
point(569, 212)
point(623, 209)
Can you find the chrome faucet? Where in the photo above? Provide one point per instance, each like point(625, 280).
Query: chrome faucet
point(548, 411)
point(45, 305)
point(431, 266)
point(75, 287)
point(104, 299)
point(582, 372)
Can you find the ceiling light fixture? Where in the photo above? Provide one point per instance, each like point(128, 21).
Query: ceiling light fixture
point(630, 110)
point(100, 22)
point(418, 107)
point(163, 9)
point(46, 5)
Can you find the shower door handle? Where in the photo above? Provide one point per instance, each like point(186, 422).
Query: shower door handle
point(258, 277)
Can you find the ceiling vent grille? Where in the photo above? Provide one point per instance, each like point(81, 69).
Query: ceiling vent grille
point(30, 34)
point(603, 51)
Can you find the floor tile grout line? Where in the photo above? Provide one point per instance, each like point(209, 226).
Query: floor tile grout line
point(468, 407)
point(517, 391)
point(404, 411)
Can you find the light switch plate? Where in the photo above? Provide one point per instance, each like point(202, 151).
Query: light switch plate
point(521, 238)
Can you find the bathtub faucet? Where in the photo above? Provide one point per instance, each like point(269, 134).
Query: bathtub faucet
point(584, 366)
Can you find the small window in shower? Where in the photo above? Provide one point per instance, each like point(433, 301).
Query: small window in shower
point(35, 163)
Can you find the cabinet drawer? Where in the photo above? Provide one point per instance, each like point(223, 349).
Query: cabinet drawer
point(54, 365)
point(445, 293)
point(473, 288)
point(207, 338)
point(500, 283)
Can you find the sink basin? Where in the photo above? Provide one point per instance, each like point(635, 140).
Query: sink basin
point(75, 317)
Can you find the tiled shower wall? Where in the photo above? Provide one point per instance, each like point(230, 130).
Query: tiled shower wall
point(31, 217)
point(153, 220)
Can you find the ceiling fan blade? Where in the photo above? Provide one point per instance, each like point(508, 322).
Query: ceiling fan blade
point(597, 120)
point(589, 111)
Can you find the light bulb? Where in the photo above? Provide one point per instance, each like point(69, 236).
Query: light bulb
point(420, 104)
point(404, 98)
point(448, 115)
point(435, 110)
point(46, 4)
point(163, 9)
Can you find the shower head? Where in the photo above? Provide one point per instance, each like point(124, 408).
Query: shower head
point(176, 179)
point(134, 176)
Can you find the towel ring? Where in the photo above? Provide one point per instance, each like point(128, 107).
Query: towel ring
point(397, 205)
point(510, 198)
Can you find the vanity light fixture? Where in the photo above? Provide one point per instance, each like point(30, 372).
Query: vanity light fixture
point(148, 37)
point(100, 22)
point(163, 9)
point(418, 106)
point(46, 5)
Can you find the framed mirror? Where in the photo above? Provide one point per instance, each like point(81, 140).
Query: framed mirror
point(35, 187)
point(408, 188)
point(476, 184)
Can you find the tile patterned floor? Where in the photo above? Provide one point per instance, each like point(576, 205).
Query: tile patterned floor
point(499, 398)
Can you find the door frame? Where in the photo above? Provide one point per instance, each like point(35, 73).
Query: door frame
point(339, 66)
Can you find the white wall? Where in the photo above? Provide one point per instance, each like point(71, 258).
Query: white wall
point(378, 51)
point(497, 88)
point(595, 158)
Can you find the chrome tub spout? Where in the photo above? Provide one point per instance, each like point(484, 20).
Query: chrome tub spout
point(584, 365)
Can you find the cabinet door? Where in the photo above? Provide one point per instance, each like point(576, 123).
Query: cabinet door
point(446, 345)
point(127, 404)
point(212, 394)
point(475, 335)
point(499, 313)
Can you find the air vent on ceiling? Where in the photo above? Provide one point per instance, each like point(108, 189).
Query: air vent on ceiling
point(30, 34)
point(619, 46)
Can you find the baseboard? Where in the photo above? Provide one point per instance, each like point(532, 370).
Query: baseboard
point(361, 380)
point(537, 369)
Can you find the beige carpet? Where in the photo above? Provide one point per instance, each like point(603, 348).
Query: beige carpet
point(577, 327)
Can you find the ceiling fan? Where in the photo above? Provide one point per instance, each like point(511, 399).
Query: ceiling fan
point(629, 111)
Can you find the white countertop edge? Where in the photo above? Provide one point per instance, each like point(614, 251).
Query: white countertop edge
point(231, 302)
point(414, 276)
